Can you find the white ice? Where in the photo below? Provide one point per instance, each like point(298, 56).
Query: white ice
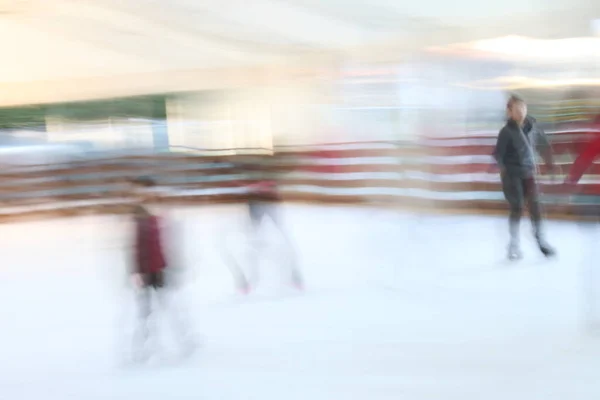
point(397, 306)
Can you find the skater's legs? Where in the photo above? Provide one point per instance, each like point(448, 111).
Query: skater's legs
point(272, 212)
point(259, 210)
point(532, 197)
point(513, 192)
point(535, 212)
point(142, 330)
point(256, 210)
point(175, 313)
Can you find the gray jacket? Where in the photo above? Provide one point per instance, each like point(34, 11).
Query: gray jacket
point(515, 147)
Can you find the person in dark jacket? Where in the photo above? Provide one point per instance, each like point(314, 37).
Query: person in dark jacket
point(515, 154)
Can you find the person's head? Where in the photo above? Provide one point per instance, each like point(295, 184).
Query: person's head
point(141, 188)
point(516, 109)
point(139, 211)
point(143, 182)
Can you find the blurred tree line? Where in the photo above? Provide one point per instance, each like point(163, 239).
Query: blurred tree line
point(33, 117)
point(563, 105)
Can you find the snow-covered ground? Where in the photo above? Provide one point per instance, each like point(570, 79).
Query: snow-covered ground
point(397, 306)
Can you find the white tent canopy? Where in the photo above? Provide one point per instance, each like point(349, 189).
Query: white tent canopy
point(58, 50)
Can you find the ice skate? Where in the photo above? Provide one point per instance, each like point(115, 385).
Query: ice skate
point(188, 347)
point(297, 280)
point(140, 355)
point(244, 286)
point(545, 248)
point(514, 252)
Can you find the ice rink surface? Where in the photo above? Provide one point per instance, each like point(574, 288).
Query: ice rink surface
point(397, 306)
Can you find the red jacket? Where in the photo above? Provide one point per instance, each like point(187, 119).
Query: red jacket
point(148, 246)
point(587, 154)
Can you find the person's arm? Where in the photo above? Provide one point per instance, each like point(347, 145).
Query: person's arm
point(583, 162)
point(500, 149)
point(157, 252)
point(544, 148)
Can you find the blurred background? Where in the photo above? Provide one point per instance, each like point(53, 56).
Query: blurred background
point(346, 101)
point(391, 104)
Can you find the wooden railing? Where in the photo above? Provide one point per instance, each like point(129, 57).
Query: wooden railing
point(449, 174)
point(469, 173)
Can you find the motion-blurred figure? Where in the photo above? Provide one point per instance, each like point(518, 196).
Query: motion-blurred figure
point(150, 274)
point(515, 156)
point(588, 152)
point(263, 199)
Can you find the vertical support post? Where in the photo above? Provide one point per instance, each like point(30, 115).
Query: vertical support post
point(160, 131)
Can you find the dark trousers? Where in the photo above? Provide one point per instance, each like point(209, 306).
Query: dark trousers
point(520, 192)
point(261, 209)
point(152, 282)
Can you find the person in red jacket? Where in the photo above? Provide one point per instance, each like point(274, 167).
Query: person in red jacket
point(588, 152)
point(149, 263)
point(149, 276)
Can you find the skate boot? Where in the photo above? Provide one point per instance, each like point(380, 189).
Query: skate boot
point(297, 280)
point(140, 349)
point(140, 354)
point(545, 248)
point(514, 251)
point(244, 287)
point(189, 345)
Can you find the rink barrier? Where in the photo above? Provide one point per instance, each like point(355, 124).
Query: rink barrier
point(445, 175)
